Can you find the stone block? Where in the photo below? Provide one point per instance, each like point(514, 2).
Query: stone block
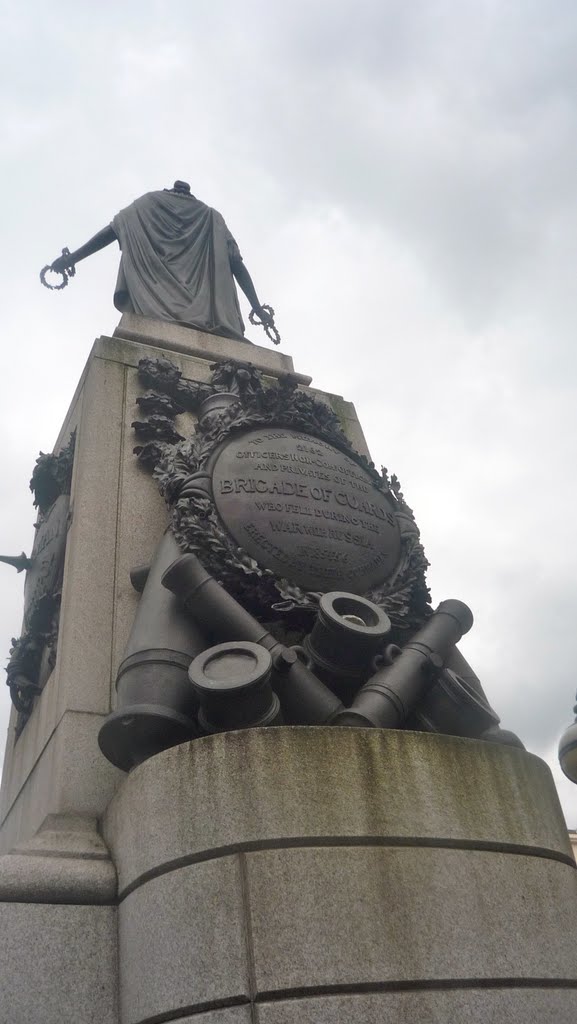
point(11, 831)
point(182, 941)
point(83, 666)
point(429, 872)
point(316, 783)
point(72, 418)
point(130, 352)
point(22, 753)
point(71, 776)
point(173, 336)
point(474, 1005)
point(348, 419)
point(32, 802)
point(65, 862)
point(225, 1015)
point(9, 752)
point(57, 964)
point(142, 520)
point(362, 916)
point(25, 751)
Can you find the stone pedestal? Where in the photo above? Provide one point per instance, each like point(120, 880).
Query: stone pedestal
point(117, 518)
point(302, 874)
point(305, 874)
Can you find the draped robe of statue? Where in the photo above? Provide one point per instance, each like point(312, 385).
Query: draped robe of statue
point(176, 263)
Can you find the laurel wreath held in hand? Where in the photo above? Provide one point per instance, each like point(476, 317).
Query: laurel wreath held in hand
point(271, 331)
point(66, 273)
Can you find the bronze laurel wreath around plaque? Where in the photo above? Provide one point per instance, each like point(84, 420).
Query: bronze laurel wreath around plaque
point(234, 403)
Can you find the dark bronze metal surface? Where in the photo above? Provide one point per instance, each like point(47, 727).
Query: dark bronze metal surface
point(239, 398)
point(452, 707)
point(139, 576)
point(304, 699)
point(178, 262)
point(306, 511)
point(47, 558)
point(347, 634)
point(19, 562)
point(568, 751)
point(52, 475)
point(269, 327)
point(156, 703)
point(494, 734)
point(393, 692)
point(33, 655)
point(215, 405)
point(232, 681)
point(67, 271)
point(458, 664)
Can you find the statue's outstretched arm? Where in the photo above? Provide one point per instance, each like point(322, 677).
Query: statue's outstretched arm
point(245, 282)
point(97, 242)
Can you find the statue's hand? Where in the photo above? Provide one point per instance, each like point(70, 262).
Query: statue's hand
point(264, 316)
point(62, 263)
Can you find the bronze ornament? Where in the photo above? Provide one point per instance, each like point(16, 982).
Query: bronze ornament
point(364, 517)
point(274, 509)
point(33, 655)
point(65, 273)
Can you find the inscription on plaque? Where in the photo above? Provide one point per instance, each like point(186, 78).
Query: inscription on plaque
point(306, 511)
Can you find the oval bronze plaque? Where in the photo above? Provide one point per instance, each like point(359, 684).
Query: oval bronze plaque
point(306, 511)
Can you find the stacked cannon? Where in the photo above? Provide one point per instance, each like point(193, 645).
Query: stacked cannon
point(198, 662)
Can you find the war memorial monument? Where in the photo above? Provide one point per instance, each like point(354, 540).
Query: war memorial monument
point(249, 778)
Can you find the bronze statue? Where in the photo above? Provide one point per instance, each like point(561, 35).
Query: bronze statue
point(178, 262)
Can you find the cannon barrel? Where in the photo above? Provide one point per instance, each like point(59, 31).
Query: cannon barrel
point(392, 693)
point(156, 705)
point(349, 631)
point(304, 699)
point(233, 683)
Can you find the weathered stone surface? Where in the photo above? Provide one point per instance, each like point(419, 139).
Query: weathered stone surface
point(475, 1006)
point(82, 677)
point(360, 916)
point(181, 941)
point(98, 601)
point(65, 862)
point(177, 337)
point(87, 617)
point(57, 964)
point(317, 783)
point(318, 913)
point(298, 908)
point(21, 756)
point(226, 1015)
point(347, 415)
point(141, 522)
point(70, 777)
point(21, 759)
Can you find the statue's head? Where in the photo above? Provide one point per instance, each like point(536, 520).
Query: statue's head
point(182, 187)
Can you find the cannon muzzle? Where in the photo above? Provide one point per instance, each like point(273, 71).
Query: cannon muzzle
point(304, 699)
point(156, 705)
point(233, 685)
point(349, 631)
point(392, 693)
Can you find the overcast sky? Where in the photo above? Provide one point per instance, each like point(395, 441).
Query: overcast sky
point(401, 176)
